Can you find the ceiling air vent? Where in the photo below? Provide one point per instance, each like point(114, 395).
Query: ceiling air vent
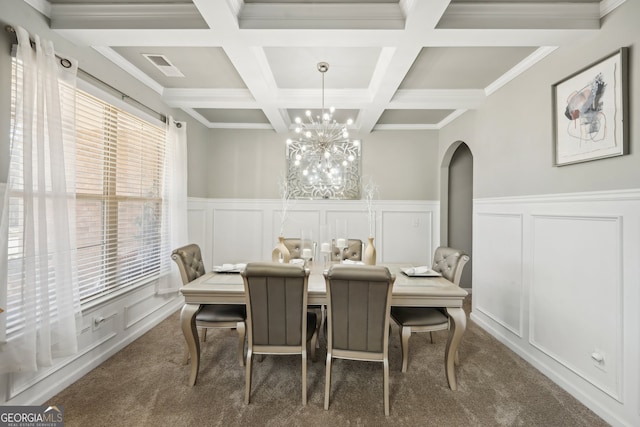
point(163, 64)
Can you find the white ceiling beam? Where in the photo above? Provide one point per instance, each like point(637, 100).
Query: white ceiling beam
point(442, 99)
point(249, 60)
point(210, 98)
point(394, 64)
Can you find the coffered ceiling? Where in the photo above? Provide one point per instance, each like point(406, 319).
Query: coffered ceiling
point(394, 64)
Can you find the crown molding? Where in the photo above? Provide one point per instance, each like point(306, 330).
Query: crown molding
point(122, 15)
point(391, 127)
point(378, 16)
point(521, 15)
point(128, 67)
point(607, 6)
point(520, 68)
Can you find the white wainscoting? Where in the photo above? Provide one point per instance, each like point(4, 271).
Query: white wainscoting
point(105, 330)
point(556, 278)
point(233, 230)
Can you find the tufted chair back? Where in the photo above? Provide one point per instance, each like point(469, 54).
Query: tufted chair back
point(450, 263)
point(295, 248)
point(189, 260)
point(353, 252)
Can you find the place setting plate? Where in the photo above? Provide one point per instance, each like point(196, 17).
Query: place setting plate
point(423, 271)
point(229, 268)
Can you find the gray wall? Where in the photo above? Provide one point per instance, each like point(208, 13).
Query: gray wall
point(249, 163)
point(511, 135)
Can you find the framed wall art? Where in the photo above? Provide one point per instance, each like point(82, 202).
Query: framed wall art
point(590, 112)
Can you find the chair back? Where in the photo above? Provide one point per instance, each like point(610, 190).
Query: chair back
point(295, 248)
point(276, 299)
point(189, 260)
point(358, 303)
point(353, 252)
point(450, 263)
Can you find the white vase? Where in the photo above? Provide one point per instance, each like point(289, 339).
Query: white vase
point(280, 252)
point(370, 253)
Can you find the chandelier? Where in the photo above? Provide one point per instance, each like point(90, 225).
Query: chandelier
point(323, 163)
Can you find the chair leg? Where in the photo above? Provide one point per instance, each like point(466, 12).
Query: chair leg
point(204, 334)
point(320, 319)
point(304, 377)
point(385, 382)
point(323, 319)
point(456, 360)
point(327, 382)
point(314, 340)
point(241, 332)
point(247, 380)
point(431, 336)
point(405, 334)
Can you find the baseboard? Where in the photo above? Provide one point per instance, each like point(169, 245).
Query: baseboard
point(571, 388)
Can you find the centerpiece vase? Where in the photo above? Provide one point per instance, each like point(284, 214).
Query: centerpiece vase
point(280, 252)
point(370, 253)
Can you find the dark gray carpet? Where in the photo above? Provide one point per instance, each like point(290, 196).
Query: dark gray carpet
point(145, 384)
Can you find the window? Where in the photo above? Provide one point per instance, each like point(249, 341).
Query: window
point(119, 162)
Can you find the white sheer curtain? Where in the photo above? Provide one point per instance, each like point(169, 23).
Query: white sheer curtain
point(174, 225)
point(41, 295)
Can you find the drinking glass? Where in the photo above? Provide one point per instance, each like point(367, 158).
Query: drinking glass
point(342, 236)
point(306, 245)
point(325, 243)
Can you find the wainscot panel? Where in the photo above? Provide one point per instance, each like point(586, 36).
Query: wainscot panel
point(565, 268)
point(247, 230)
point(105, 329)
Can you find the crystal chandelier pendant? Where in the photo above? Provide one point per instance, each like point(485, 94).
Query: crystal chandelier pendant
point(323, 161)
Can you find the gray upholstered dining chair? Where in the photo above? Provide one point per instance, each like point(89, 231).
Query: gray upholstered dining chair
point(278, 321)
point(450, 263)
point(353, 252)
point(358, 303)
point(191, 266)
point(294, 245)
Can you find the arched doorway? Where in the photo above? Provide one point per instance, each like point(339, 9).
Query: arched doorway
point(456, 203)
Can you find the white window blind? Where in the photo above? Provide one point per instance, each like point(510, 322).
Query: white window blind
point(119, 163)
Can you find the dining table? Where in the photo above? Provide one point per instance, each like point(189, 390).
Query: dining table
point(217, 287)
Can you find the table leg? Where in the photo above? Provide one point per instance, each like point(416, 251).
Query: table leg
point(188, 323)
point(458, 320)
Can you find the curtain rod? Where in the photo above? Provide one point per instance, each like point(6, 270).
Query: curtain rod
point(65, 63)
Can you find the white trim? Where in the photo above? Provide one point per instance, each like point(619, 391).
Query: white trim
point(586, 196)
point(129, 68)
point(519, 68)
point(608, 6)
point(522, 15)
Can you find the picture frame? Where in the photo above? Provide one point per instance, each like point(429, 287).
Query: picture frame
point(591, 111)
